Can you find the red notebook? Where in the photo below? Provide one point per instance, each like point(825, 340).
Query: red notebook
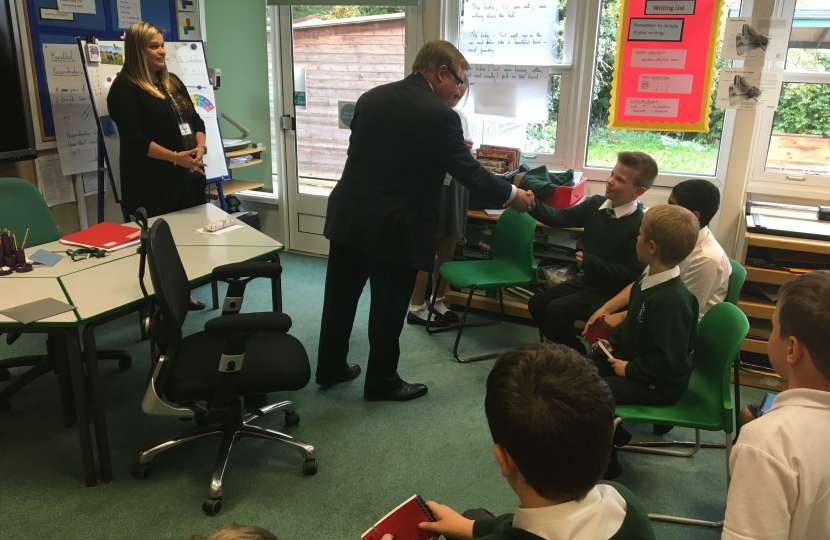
point(402, 522)
point(106, 236)
point(597, 331)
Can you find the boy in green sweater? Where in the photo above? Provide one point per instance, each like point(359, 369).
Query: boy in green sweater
point(608, 261)
point(551, 418)
point(649, 362)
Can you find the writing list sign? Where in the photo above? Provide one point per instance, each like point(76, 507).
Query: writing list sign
point(513, 93)
point(506, 32)
point(75, 128)
point(664, 65)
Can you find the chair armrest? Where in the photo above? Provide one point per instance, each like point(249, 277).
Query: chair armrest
point(251, 269)
point(248, 323)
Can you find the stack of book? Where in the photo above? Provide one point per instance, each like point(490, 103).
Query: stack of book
point(498, 159)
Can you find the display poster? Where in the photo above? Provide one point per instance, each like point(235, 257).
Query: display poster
point(509, 31)
point(510, 93)
point(758, 38)
point(753, 88)
point(664, 65)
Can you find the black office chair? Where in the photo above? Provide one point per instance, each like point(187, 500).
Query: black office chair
point(202, 372)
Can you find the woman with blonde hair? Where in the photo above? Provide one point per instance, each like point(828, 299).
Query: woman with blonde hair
point(162, 135)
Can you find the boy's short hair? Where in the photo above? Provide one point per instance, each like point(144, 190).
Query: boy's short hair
point(552, 412)
point(674, 229)
point(701, 196)
point(234, 531)
point(803, 313)
point(644, 164)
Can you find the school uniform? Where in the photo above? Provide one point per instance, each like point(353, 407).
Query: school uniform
point(610, 263)
point(608, 512)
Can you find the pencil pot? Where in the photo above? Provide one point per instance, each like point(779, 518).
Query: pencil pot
point(9, 260)
point(8, 246)
point(19, 256)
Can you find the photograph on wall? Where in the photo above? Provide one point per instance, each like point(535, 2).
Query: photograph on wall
point(112, 54)
point(765, 39)
point(749, 88)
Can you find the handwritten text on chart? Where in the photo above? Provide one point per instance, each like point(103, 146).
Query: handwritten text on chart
point(658, 58)
point(656, 30)
point(506, 32)
point(498, 73)
point(666, 108)
point(75, 128)
point(665, 84)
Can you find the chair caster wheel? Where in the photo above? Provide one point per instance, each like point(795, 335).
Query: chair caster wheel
point(211, 507)
point(5, 375)
point(125, 363)
point(142, 470)
point(310, 467)
point(292, 418)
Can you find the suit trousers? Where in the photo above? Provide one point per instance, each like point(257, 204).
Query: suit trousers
point(391, 286)
point(625, 390)
point(556, 309)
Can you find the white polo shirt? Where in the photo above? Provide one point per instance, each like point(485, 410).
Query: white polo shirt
point(706, 272)
point(781, 472)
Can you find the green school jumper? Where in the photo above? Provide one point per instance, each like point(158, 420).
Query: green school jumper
point(658, 336)
point(610, 262)
point(635, 526)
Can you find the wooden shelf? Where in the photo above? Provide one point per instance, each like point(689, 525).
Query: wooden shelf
point(784, 242)
point(754, 345)
point(757, 309)
point(511, 307)
point(765, 381)
point(230, 187)
point(246, 164)
point(768, 275)
point(245, 152)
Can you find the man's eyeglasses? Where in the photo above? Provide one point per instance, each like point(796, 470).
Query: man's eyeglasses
point(458, 82)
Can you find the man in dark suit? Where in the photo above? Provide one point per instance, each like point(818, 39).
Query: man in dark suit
point(382, 216)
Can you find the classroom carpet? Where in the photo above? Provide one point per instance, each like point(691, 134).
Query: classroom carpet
point(371, 456)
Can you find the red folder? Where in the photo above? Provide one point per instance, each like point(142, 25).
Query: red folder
point(402, 522)
point(106, 236)
point(597, 331)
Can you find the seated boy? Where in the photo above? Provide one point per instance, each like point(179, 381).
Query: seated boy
point(705, 271)
point(551, 419)
point(609, 261)
point(780, 470)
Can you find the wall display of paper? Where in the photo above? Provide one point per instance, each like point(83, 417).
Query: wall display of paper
point(90, 182)
point(129, 12)
point(759, 38)
point(749, 88)
point(189, 27)
point(664, 65)
point(503, 32)
point(51, 14)
point(75, 128)
point(77, 6)
point(186, 5)
point(187, 61)
point(514, 93)
point(55, 187)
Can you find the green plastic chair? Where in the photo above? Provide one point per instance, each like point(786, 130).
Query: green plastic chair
point(23, 207)
point(707, 403)
point(513, 264)
point(736, 283)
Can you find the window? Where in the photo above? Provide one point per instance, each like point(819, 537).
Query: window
point(678, 154)
point(793, 157)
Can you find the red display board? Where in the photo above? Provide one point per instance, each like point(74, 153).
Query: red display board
point(665, 64)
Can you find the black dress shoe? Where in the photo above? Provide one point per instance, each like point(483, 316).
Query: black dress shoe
point(451, 317)
point(404, 392)
point(614, 468)
point(661, 429)
point(351, 373)
point(438, 320)
point(195, 305)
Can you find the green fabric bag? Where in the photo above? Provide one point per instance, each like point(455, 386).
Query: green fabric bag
point(541, 182)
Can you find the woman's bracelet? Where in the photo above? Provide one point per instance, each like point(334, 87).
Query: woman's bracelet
point(175, 157)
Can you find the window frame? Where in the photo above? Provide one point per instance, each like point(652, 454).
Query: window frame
point(783, 184)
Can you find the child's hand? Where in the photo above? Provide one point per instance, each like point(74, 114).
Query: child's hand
point(598, 315)
point(618, 365)
point(388, 537)
point(579, 257)
point(448, 522)
point(604, 342)
point(615, 320)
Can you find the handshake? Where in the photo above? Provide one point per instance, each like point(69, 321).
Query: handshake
point(524, 201)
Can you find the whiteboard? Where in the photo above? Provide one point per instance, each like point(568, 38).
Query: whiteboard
point(185, 59)
point(75, 127)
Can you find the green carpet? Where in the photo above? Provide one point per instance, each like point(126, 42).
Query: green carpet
point(371, 455)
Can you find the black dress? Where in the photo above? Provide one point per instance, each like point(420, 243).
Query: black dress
point(141, 118)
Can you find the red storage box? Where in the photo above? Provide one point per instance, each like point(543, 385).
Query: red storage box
point(567, 196)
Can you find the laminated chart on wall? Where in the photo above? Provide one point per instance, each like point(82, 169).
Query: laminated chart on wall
point(75, 127)
point(754, 88)
point(756, 38)
point(508, 93)
point(187, 61)
point(664, 64)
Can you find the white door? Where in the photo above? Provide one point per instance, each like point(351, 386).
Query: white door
point(327, 54)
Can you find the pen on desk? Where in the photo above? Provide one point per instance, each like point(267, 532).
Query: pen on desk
point(25, 236)
point(15, 240)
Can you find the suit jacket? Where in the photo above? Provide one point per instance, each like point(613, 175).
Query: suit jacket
point(404, 141)
point(141, 119)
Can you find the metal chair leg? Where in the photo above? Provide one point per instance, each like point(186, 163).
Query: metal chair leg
point(306, 450)
point(221, 463)
point(147, 455)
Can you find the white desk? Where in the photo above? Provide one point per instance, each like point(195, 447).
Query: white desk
point(107, 288)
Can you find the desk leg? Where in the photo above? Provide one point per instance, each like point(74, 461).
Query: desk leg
point(220, 193)
point(99, 414)
point(56, 349)
point(76, 374)
point(276, 288)
point(214, 292)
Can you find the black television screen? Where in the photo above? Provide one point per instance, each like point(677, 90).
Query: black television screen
point(16, 136)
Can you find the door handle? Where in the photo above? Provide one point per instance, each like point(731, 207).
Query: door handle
point(289, 122)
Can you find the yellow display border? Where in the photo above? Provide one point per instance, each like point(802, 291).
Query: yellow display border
point(702, 124)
